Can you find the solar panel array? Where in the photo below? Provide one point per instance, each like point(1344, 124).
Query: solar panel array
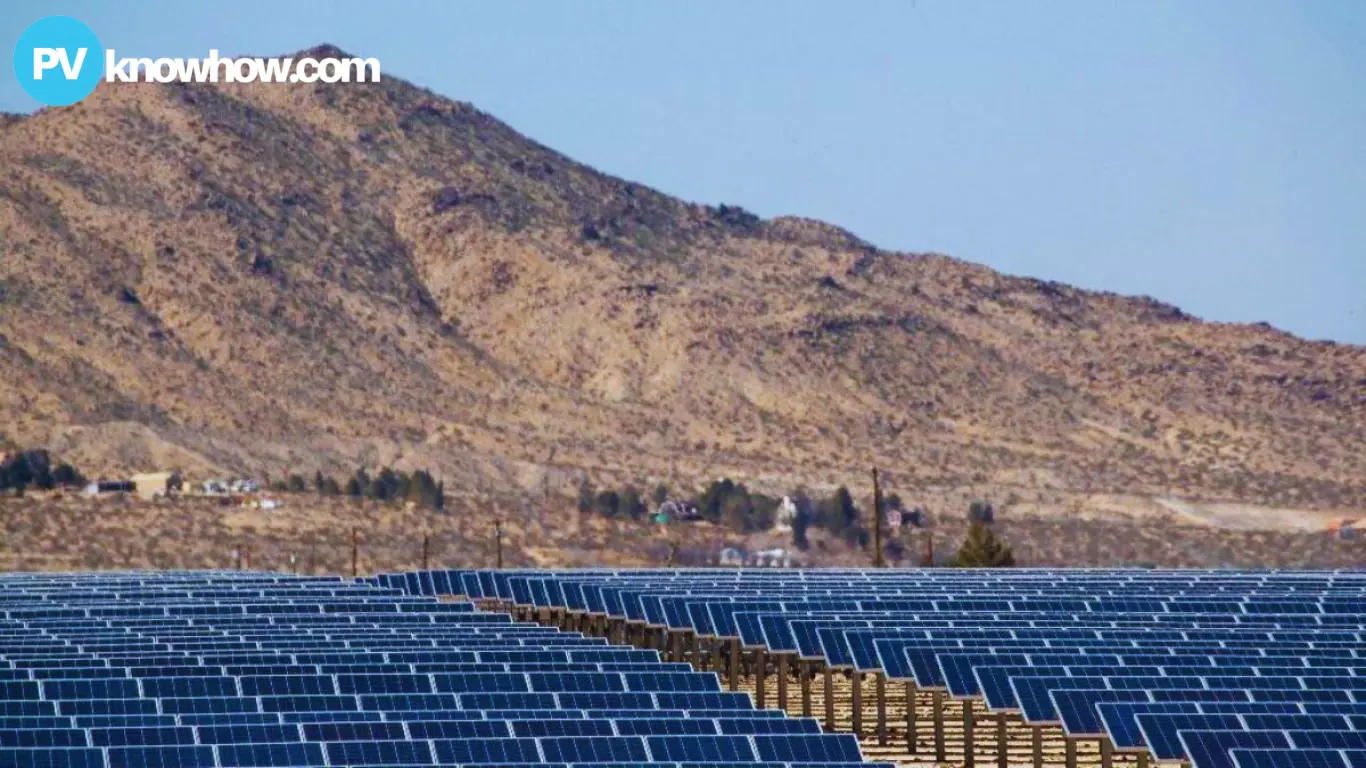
point(247, 669)
point(1226, 669)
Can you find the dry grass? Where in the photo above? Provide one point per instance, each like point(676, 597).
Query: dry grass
point(69, 532)
point(279, 278)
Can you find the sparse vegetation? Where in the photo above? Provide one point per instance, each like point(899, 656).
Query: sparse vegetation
point(391, 486)
point(34, 469)
point(779, 348)
point(982, 549)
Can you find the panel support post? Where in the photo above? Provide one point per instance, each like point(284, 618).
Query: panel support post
point(1036, 739)
point(760, 681)
point(1106, 754)
point(829, 699)
point(1002, 742)
point(856, 677)
point(804, 674)
point(881, 690)
point(910, 718)
point(1070, 752)
point(782, 681)
point(735, 663)
point(969, 751)
point(938, 705)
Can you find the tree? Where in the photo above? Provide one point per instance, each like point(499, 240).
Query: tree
point(982, 549)
point(630, 504)
point(66, 475)
point(981, 512)
point(711, 501)
point(25, 469)
point(297, 484)
point(660, 495)
point(839, 515)
point(319, 483)
point(354, 489)
point(330, 487)
point(587, 496)
point(608, 503)
point(802, 521)
point(385, 485)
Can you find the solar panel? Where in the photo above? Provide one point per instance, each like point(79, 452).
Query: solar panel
point(308, 670)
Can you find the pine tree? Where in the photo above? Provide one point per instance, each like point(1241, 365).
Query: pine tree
point(629, 503)
point(319, 483)
point(982, 549)
point(587, 495)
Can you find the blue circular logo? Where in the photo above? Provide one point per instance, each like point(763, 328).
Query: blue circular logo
point(58, 60)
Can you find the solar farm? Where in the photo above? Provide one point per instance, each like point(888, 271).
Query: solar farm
point(1213, 669)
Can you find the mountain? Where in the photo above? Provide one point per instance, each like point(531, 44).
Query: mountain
point(249, 278)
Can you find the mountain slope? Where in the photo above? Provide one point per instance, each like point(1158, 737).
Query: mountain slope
point(276, 277)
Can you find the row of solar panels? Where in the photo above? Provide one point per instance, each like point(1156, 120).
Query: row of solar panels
point(257, 671)
point(597, 750)
point(1076, 646)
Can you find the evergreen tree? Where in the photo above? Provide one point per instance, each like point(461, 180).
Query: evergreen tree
point(660, 495)
point(630, 504)
point(297, 484)
point(981, 512)
point(709, 504)
point(66, 475)
point(587, 496)
point(982, 549)
point(608, 503)
point(801, 522)
point(319, 483)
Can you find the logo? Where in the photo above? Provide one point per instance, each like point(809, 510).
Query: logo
point(58, 60)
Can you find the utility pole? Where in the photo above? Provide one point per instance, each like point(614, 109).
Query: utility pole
point(355, 552)
point(877, 522)
point(498, 537)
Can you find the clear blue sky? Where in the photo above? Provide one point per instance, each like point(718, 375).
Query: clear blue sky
point(1210, 153)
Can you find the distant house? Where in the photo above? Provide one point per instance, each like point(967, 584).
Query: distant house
point(1343, 529)
point(150, 485)
point(219, 487)
point(731, 558)
point(110, 486)
point(771, 558)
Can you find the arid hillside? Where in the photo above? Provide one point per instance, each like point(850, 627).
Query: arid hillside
point(247, 278)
